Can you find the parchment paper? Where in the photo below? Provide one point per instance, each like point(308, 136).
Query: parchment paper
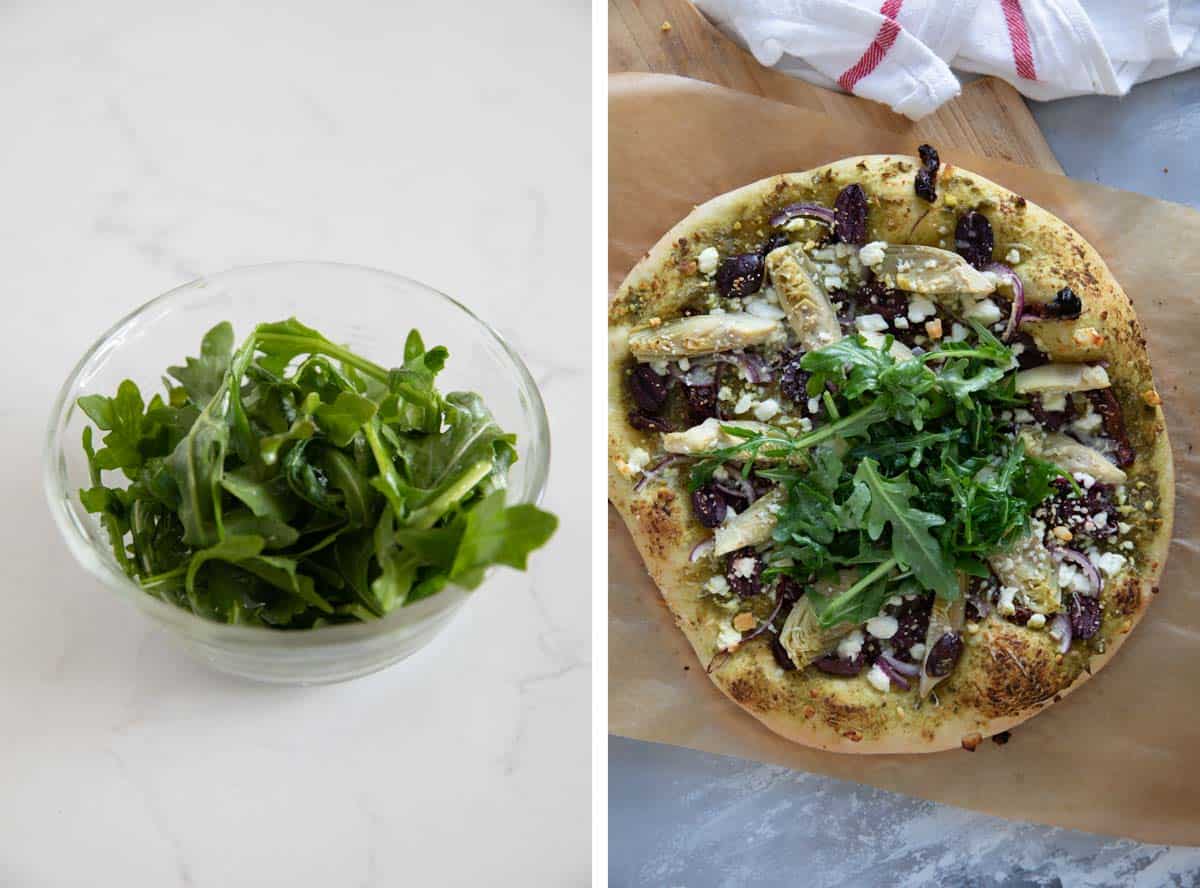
point(1122, 754)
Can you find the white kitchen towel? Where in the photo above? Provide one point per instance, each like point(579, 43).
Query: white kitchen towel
point(902, 52)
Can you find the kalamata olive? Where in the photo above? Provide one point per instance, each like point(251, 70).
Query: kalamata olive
point(648, 423)
point(912, 619)
point(929, 158)
point(1065, 306)
point(781, 655)
point(701, 401)
point(774, 242)
point(850, 215)
point(923, 185)
point(1080, 514)
point(793, 381)
point(1105, 403)
point(1084, 613)
point(708, 504)
point(944, 656)
point(740, 275)
point(832, 664)
point(744, 572)
point(1031, 356)
point(649, 390)
point(1020, 615)
point(874, 297)
point(973, 238)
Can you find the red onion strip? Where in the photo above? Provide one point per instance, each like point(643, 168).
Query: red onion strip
point(802, 211)
point(900, 666)
point(1018, 298)
point(886, 665)
point(1084, 563)
point(653, 470)
point(701, 549)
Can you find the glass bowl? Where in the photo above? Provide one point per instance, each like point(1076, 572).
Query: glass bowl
point(368, 310)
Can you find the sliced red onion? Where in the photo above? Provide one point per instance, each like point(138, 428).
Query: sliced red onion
point(912, 669)
point(737, 486)
point(1061, 626)
point(801, 211)
point(757, 368)
point(765, 624)
point(701, 549)
point(892, 672)
point(1018, 297)
point(654, 469)
point(1084, 563)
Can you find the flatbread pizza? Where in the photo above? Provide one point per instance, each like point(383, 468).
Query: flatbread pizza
point(887, 439)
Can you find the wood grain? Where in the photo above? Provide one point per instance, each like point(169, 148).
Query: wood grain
point(989, 117)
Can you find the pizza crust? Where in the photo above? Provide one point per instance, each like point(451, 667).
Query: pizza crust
point(1007, 673)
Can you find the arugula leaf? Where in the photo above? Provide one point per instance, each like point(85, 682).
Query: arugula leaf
point(345, 417)
point(201, 377)
point(860, 602)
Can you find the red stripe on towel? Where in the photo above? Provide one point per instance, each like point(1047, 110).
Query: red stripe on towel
point(1018, 35)
point(884, 38)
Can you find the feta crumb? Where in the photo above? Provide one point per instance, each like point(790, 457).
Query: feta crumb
point(761, 308)
point(871, 323)
point(985, 311)
point(917, 651)
point(1073, 579)
point(744, 567)
point(920, 308)
point(637, 459)
point(728, 637)
point(1012, 257)
point(725, 393)
point(659, 367)
point(685, 365)
point(1022, 415)
point(745, 402)
point(883, 626)
point(1037, 621)
point(1005, 605)
point(1086, 425)
point(717, 585)
point(721, 473)
point(1100, 519)
point(1123, 528)
point(872, 253)
point(879, 679)
point(814, 404)
point(958, 332)
point(805, 424)
point(895, 601)
point(901, 323)
point(1054, 400)
point(766, 410)
point(1110, 563)
point(1084, 480)
point(850, 646)
point(707, 260)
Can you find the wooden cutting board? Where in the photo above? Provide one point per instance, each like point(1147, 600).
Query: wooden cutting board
point(989, 117)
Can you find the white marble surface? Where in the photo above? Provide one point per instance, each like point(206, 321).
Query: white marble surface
point(145, 143)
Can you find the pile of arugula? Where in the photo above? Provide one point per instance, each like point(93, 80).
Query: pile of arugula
point(291, 483)
point(915, 477)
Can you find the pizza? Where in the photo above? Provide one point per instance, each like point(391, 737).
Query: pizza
point(887, 439)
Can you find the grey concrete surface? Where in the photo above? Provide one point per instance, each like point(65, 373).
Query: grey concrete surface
point(684, 818)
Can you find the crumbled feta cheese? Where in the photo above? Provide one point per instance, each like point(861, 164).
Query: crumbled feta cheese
point(728, 636)
point(985, 311)
point(745, 402)
point(883, 626)
point(1110, 563)
point(1100, 519)
point(1054, 400)
point(717, 585)
point(1018, 348)
point(871, 323)
point(920, 308)
point(1037, 621)
point(1123, 528)
point(901, 323)
point(872, 253)
point(958, 332)
point(1084, 480)
point(1056, 631)
point(744, 567)
point(725, 393)
point(637, 459)
point(708, 260)
point(1022, 415)
point(917, 651)
point(814, 404)
point(850, 646)
point(760, 308)
point(805, 424)
point(879, 679)
point(1005, 604)
point(721, 473)
point(659, 367)
point(895, 601)
point(1012, 257)
point(685, 365)
point(766, 410)
point(832, 282)
point(1073, 579)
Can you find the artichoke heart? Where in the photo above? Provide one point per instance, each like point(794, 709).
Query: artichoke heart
point(1029, 568)
point(702, 335)
point(1062, 378)
point(711, 435)
point(1069, 454)
point(932, 272)
point(803, 637)
point(809, 311)
point(752, 527)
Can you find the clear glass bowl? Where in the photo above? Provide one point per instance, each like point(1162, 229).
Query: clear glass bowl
point(368, 310)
